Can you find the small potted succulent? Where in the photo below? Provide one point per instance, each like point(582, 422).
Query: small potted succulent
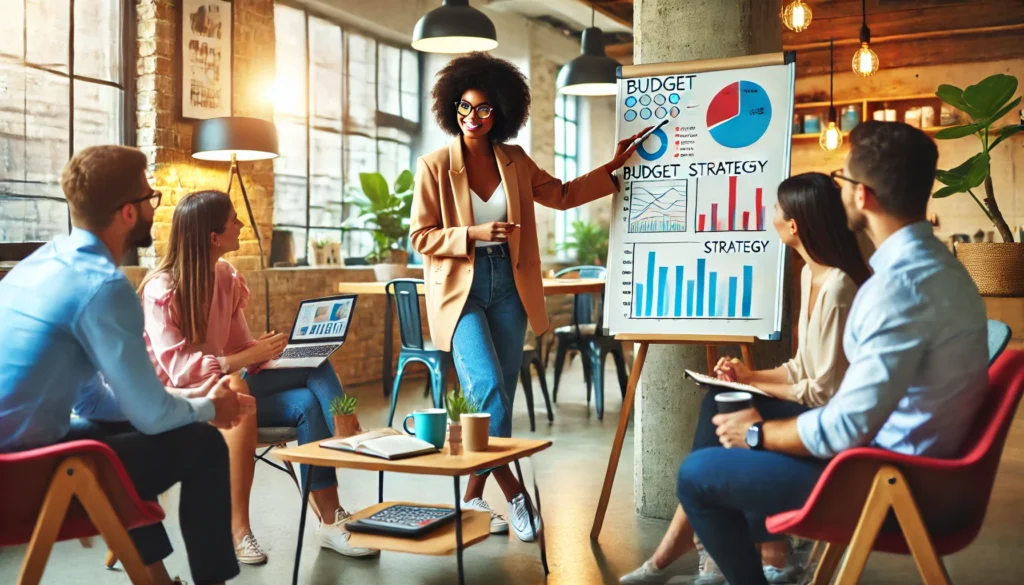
point(457, 405)
point(343, 410)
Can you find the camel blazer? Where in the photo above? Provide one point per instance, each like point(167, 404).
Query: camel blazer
point(442, 213)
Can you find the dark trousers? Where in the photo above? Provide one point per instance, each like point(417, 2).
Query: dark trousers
point(194, 455)
point(727, 493)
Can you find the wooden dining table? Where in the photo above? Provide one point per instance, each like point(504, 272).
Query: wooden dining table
point(552, 286)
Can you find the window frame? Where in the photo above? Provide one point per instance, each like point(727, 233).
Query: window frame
point(126, 85)
point(564, 219)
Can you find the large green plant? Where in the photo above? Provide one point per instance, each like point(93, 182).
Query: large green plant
point(589, 241)
point(386, 213)
point(985, 103)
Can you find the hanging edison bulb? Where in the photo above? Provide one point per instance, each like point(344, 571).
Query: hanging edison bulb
point(865, 61)
point(796, 16)
point(831, 138)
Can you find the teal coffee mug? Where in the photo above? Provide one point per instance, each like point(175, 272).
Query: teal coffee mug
point(429, 425)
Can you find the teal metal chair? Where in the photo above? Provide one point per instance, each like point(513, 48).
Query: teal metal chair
point(998, 338)
point(414, 347)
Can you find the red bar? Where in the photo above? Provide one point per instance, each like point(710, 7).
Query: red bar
point(732, 203)
point(700, 223)
point(746, 219)
point(714, 217)
point(759, 220)
point(720, 227)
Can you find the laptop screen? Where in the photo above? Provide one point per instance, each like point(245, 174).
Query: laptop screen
point(323, 320)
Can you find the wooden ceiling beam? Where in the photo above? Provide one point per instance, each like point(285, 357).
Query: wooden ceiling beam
point(606, 12)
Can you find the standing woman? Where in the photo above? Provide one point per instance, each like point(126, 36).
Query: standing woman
point(473, 222)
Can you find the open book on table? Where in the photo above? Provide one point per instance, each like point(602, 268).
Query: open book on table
point(717, 384)
point(383, 443)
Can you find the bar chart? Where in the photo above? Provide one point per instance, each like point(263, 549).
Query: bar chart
point(726, 216)
point(665, 289)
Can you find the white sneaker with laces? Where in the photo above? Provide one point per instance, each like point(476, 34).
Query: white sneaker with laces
point(707, 572)
point(520, 519)
point(248, 551)
point(498, 523)
point(646, 574)
point(335, 537)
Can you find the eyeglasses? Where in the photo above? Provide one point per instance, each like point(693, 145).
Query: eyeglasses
point(483, 111)
point(153, 198)
point(837, 175)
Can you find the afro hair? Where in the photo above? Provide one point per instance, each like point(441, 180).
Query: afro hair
point(505, 85)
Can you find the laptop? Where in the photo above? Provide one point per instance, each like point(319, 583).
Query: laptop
point(320, 329)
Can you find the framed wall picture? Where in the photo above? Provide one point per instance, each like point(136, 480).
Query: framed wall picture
point(205, 58)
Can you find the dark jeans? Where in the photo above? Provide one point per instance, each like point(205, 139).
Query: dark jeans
point(194, 455)
point(727, 493)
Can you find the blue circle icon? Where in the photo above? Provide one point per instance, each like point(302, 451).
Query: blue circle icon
point(660, 112)
point(674, 111)
point(630, 102)
point(645, 100)
point(630, 115)
point(652, 156)
point(673, 98)
point(659, 99)
point(645, 113)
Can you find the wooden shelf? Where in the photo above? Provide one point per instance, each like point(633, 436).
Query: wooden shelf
point(476, 527)
point(931, 130)
point(867, 106)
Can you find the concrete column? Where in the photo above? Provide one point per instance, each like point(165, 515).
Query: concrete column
point(666, 409)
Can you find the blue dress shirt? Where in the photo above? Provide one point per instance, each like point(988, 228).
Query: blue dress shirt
point(71, 339)
point(916, 340)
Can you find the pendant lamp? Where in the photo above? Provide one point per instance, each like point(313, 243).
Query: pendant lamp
point(454, 27)
point(865, 61)
point(831, 138)
point(796, 16)
point(593, 72)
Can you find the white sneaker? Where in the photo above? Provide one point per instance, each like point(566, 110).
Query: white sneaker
point(708, 573)
point(520, 519)
point(646, 574)
point(335, 537)
point(498, 523)
point(248, 551)
point(787, 574)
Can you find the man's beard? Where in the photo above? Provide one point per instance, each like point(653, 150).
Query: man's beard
point(857, 222)
point(140, 236)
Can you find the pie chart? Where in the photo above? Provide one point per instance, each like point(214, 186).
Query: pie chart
point(739, 114)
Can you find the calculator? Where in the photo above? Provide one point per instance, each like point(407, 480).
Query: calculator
point(403, 520)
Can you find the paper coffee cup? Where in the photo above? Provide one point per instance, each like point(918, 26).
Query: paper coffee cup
point(733, 401)
point(475, 431)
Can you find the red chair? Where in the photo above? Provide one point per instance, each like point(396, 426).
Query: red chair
point(939, 503)
point(38, 493)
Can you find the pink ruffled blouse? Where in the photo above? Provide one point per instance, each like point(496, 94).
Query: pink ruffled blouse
point(178, 363)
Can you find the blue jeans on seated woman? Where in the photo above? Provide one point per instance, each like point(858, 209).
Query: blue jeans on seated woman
point(300, 398)
point(488, 341)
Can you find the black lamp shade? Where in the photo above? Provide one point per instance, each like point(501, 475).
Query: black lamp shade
point(593, 72)
point(245, 138)
point(454, 27)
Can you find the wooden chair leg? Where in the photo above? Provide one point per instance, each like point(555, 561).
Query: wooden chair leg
point(111, 559)
point(933, 572)
point(830, 558)
point(51, 516)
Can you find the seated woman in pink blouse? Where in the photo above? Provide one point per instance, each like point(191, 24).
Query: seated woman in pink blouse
point(196, 328)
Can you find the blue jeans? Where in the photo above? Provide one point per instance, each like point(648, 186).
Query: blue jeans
point(299, 398)
point(727, 493)
point(488, 341)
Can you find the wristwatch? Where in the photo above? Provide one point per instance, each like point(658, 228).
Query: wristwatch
point(755, 436)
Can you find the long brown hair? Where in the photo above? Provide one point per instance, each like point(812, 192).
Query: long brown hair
point(189, 259)
point(814, 202)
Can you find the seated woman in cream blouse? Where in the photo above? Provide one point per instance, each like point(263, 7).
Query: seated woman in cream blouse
point(810, 219)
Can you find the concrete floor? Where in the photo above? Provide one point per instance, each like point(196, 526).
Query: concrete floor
point(569, 476)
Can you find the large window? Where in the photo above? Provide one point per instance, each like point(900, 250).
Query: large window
point(345, 103)
point(63, 79)
point(566, 161)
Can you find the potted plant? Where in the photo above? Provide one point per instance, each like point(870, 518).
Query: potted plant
point(324, 252)
point(387, 214)
point(457, 405)
point(997, 268)
point(343, 411)
point(590, 242)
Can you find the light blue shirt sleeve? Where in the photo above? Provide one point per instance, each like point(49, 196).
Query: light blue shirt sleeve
point(890, 347)
point(96, 401)
point(109, 328)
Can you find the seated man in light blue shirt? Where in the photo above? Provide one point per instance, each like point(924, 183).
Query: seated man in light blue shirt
point(71, 326)
point(916, 341)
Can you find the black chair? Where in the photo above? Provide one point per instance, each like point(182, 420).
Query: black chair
point(414, 347)
point(532, 357)
point(584, 335)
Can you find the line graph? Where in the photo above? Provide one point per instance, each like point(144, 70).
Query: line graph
point(657, 206)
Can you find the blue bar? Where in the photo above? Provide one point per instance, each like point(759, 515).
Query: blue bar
point(748, 283)
point(679, 291)
point(662, 278)
point(700, 286)
point(650, 283)
point(712, 291)
point(689, 298)
point(733, 281)
point(638, 299)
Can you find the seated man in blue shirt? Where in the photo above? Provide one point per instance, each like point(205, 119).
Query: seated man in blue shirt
point(72, 330)
point(916, 340)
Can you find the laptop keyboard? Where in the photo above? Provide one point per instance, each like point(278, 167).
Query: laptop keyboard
point(308, 351)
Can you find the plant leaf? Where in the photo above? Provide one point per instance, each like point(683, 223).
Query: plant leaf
point(374, 187)
point(947, 191)
point(990, 94)
point(404, 182)
point(957, 131)
point(953, 96)
point(978, 171)
point(1006, 132)
point(1002, 112)
point(964, 177)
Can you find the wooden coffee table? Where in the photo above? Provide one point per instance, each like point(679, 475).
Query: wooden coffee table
point(470, 527)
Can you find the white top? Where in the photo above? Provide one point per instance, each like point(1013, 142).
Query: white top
point(494, 209)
